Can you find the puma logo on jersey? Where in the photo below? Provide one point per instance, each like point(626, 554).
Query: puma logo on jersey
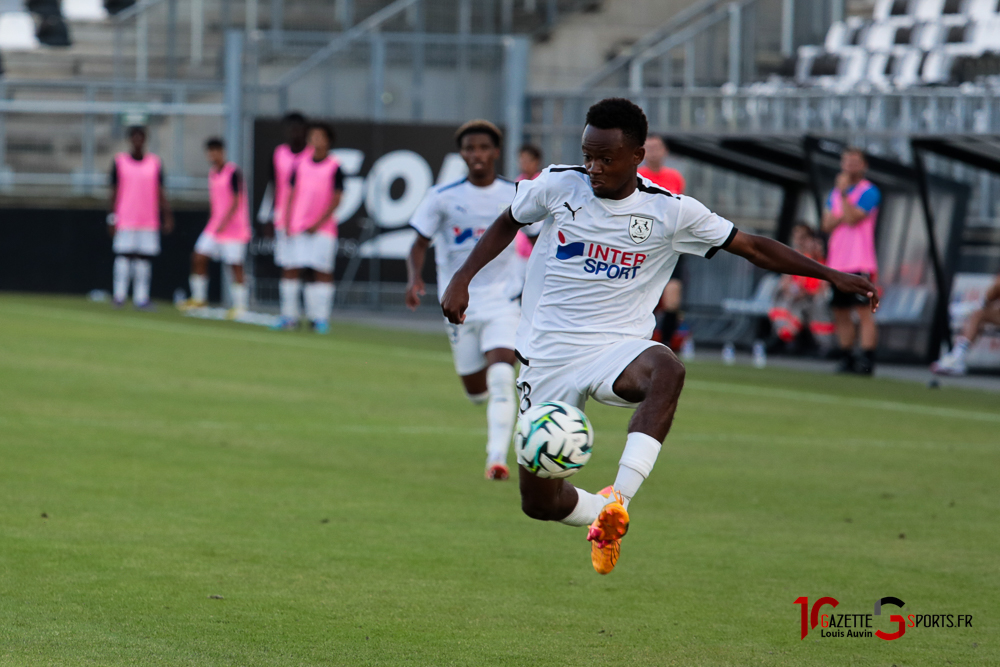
point(570, 209)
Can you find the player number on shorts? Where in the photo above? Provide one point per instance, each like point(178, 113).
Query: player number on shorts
point(524, 391)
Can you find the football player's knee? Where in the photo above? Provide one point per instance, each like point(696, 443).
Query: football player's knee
point(478, 399)
point(669, 375)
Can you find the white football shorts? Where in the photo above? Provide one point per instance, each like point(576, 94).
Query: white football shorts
point(472, 340)
point(280, 247)
point(592, 374)
point(310, 251)
point(136, 242)
point(229, 252)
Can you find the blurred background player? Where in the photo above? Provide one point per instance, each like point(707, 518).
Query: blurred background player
point(454, 216)
point(529, 162)
point(654, 168)
point(137, 200)
point(849, 219)
point(801, 304)
point(317, 184)
point(953, 363)
point(227, 233)
point(283, 163)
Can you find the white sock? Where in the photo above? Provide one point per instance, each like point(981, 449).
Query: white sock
point(120, 277)
point(324, 301)
point(479, 399)
point(588, 507)
point(499, 411)
point(199, 287)
point(961, 347)
point(240, 295)
point(635, 464)
point(288, 293)
point(142, 272)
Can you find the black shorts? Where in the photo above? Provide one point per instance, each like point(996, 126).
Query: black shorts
point(840, 299)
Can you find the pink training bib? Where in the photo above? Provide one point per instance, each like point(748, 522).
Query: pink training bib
point(285, 162)
point(852, 247)
point(314, 190)
point(221, 198)
point(137, 205)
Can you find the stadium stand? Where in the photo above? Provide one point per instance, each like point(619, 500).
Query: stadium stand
point(907, 43)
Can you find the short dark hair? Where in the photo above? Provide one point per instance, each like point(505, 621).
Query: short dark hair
point(532, 150)
point(618, 113)
point(214, 144)
point(479, 126)
point(855, 150)
point(294, 118)
point(135, 129)
point(326, 129)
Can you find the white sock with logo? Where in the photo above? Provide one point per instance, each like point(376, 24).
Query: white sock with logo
point(961, 347)
point(636, 463)
point(288, 295)
point(142, 273)
point(588, 508)
point(240, 295)
point(199, 287)
point(120, 278)
point(499, 411)
point(324, 301)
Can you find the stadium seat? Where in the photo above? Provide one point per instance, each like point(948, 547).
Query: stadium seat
point(983, 9)
point(84, 10)
point(886, 35)
point(927, 10)
point(845, 34)
point(886, 8)
point(17, 32)
point(760, 303)
point(937, 69)
point(908, 70)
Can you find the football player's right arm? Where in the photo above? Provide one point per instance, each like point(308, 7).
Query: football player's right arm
point(499, 235)
point(414, 269)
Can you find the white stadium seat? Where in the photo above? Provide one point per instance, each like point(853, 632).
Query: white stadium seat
point(907, 73)
point(892, 33)
point(937, 68)
point(17, 32)
point(84, 10)
point(846, 34)
point(887, 8)
point(880, 70)
point(927, 10)
point(983, 9)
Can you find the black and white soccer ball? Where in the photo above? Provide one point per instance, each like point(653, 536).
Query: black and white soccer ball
point(553, 440)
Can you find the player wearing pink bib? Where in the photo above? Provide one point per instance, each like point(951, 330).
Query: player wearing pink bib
point(227, 233)
point(850, 216)
point(137, 200)
point(317, 184)
point(285, 159)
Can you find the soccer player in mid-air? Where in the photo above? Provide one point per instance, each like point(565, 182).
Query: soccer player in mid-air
point(454, 216)
point(227, 233)
point(138, 200)
point(596, 273)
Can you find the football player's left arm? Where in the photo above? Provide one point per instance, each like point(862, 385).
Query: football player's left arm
point(168, 215)
point(770, 255)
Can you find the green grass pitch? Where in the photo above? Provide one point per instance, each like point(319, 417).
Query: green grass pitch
point(179, 492)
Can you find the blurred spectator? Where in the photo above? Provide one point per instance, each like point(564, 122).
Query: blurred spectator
point(953, 363)
point(849, 218)
point(672, 180)
point(801, 304)
point(529, 161)
point(653, 167)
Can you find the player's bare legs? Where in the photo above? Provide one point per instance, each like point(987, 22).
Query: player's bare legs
point(494, 385)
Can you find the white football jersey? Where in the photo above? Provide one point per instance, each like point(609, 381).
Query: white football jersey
point(600, 265)
point(455, 216)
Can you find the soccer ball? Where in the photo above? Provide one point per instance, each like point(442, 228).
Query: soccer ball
point(553, 440)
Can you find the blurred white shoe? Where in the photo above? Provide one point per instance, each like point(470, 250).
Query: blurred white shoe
point(949, 364)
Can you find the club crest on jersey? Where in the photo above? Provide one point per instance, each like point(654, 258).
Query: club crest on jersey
point(639, 228)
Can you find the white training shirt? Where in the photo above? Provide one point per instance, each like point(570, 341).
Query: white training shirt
point(455, 216)
point(600, 265)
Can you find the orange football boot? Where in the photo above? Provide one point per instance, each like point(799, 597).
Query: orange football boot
point(606, 533)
